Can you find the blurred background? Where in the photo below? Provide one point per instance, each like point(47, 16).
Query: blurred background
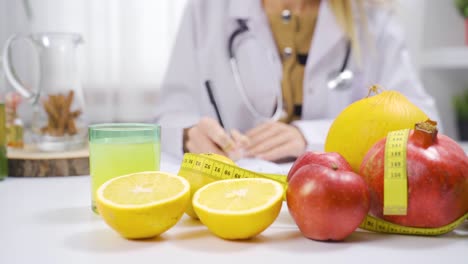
point(127, 46)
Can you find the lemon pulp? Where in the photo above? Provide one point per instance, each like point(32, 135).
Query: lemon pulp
point(142, 205)
point(197, 181)
point(238, 208)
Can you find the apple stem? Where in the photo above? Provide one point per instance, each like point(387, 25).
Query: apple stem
point(334, 166)
point(425, 133)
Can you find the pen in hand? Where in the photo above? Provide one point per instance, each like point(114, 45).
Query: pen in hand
point(213, 102)
point(236, 138)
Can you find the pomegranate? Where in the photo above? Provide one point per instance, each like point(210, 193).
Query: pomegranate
point(437, 171)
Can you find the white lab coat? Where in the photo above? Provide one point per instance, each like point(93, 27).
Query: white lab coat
point(200, 53)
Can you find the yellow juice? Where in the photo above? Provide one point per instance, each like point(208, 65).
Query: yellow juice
point(112, 159)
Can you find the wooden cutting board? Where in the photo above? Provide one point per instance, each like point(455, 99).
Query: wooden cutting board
point(30, 162)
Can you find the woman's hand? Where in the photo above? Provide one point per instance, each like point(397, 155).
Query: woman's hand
point(274, 141)
point(207, 136)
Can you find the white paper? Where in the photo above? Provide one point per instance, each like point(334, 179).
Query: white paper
point(263, 166)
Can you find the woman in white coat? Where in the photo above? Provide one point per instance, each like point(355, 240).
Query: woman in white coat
point(284, 49)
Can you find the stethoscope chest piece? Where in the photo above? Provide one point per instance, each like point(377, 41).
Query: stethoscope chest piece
point(342, 78)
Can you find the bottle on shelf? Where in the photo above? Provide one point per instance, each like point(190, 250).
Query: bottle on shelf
point(3, 132)
point(14, 125)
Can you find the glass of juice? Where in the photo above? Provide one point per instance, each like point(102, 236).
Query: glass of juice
point(121, 148)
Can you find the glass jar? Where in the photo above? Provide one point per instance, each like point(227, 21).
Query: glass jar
point(59, 121)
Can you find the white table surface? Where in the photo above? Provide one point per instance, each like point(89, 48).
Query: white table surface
point(49, 220)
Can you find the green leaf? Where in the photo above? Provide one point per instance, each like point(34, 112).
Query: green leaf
point(460, 102)
point(462, 6)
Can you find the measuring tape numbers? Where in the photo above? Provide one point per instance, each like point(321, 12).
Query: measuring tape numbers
point(205, 165)
point(371, 223)
point(395, 174)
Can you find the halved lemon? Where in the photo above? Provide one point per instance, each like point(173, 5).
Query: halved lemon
point(198, 180)
point(238, 208)
point(144, 204)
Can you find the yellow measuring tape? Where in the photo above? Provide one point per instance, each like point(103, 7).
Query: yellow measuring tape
point(395, 177)
point(207, 166)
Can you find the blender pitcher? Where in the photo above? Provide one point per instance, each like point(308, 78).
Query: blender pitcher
point(58, 122)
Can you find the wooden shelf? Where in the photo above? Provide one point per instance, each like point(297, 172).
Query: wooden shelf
point(446, 58)
point(30, 162)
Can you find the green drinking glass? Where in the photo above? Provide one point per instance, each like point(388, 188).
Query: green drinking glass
point(122, 148)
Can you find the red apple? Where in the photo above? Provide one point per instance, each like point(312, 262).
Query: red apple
point(326, 203)
point(329, 159)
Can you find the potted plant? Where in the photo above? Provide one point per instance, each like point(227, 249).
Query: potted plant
point(462, 6)
point(460, 102)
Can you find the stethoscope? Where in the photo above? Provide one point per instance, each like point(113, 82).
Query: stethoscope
point(339, 80)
